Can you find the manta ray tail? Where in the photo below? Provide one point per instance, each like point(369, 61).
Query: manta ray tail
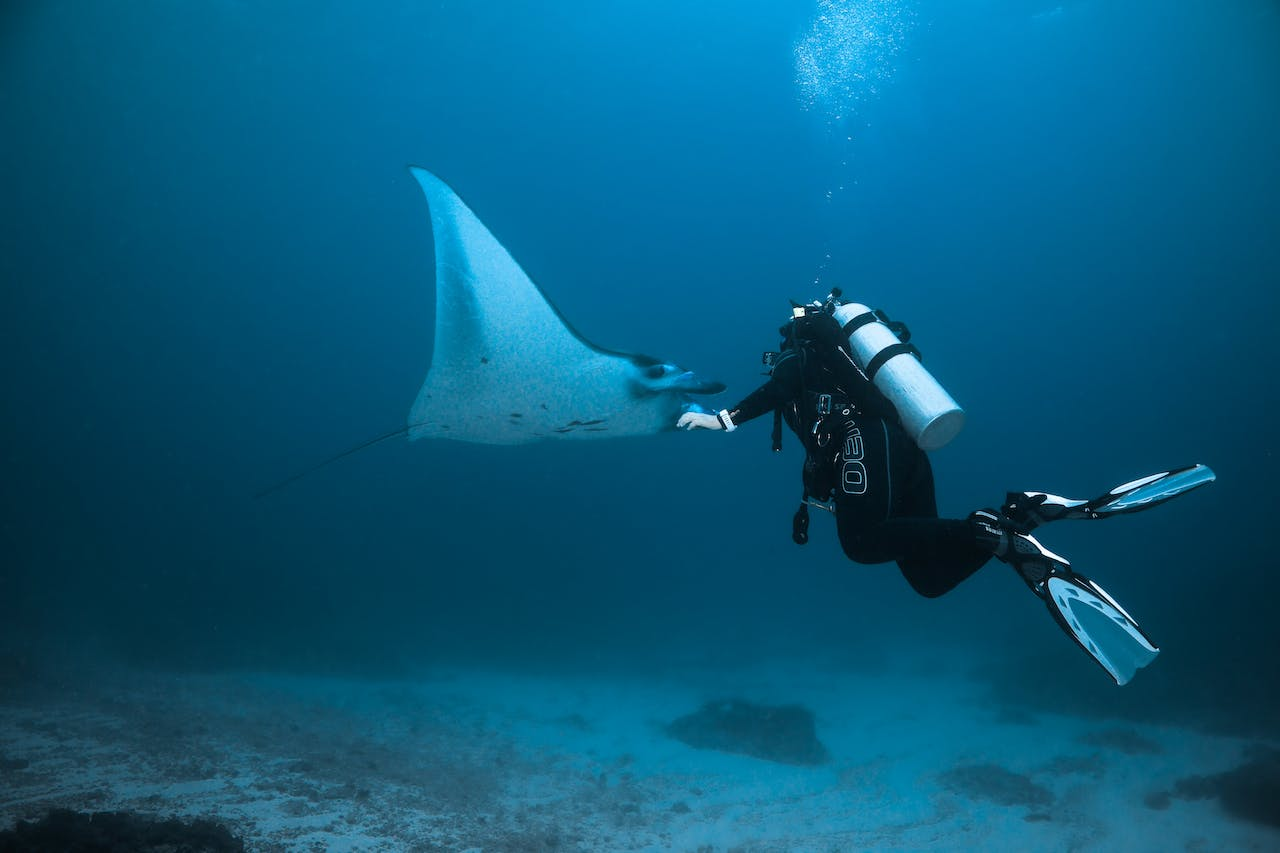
point(262, 493)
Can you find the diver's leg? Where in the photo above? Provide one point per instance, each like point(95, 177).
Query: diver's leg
point(938, 554)
point(1009, 544)
point(886, 511)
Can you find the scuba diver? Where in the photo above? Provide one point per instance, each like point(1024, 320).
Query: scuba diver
point(850, 385)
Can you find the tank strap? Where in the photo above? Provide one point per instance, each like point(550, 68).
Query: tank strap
point(859, 321)
point(875, 315)
point(873, 367)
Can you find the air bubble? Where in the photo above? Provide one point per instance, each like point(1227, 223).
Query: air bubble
point(849, 51)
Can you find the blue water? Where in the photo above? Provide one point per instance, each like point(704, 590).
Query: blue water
point(218, 271)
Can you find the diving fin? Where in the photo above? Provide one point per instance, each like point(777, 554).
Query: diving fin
point(1090, 616)
point(1028, 510)
point(1098, 624)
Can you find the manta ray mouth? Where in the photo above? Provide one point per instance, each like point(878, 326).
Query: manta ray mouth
point(683, 380)
point(692, 384)
point(686, 381)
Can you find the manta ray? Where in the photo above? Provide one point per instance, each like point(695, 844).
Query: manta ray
point(507, 368)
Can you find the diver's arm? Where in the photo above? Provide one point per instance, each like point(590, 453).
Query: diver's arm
point(782, 386)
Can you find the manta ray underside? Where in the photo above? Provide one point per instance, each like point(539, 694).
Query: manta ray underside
point(507, 369)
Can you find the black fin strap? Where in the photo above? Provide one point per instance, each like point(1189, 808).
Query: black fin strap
point(873, 367)
point(777, 429)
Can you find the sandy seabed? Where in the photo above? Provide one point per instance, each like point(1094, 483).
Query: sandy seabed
point(488, 760)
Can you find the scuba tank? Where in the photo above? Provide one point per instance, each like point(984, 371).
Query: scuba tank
point(879, 347)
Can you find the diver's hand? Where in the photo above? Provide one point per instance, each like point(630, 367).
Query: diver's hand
point(705, 420)
point(698, 420)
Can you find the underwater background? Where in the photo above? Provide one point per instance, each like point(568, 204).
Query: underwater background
point(218, 271)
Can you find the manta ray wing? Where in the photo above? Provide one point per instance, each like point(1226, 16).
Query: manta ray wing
point(506, 368)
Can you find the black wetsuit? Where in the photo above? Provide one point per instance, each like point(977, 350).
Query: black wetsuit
point(859, 454)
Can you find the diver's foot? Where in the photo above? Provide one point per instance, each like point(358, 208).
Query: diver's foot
point(1028, 510)
point(1007, 543)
